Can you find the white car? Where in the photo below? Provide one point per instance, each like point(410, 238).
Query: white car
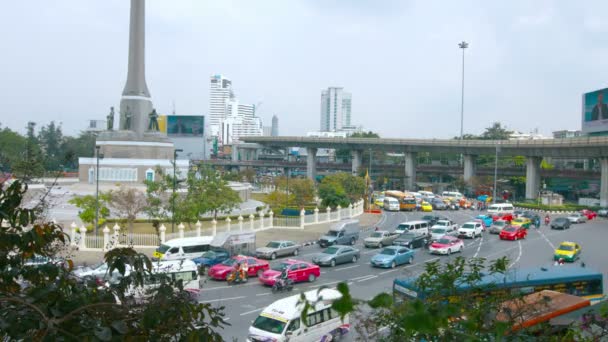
point(446, 245)
point(439, 232)
point(577, 218)
point(470, 230)
point(450, 225)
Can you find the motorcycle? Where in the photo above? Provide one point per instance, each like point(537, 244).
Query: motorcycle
point(282, 285)
point(236, 277)
point(547, 221)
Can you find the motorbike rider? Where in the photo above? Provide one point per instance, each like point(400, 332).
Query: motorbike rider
point(537, 222)
point(547, 220)
point(283, 278)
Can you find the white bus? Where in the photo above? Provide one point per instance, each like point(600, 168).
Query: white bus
point(391, 204)
point(183, 248)
point(281, 320)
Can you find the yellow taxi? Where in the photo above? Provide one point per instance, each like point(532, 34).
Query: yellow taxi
point(379, 201)
point(426, 206)
point(568, 251)
point(521, 222)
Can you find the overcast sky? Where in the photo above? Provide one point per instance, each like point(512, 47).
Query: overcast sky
point(527, 66)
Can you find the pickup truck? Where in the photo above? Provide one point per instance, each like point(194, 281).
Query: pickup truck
point(342, 233)
point(380, 238)
point(448, 224)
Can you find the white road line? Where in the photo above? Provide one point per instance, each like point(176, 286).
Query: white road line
point(356, 278)
point(263, 294)
point(368, 278)
point(479, 247)
point(518, 256)
point(222, 299)
point(345, 268)
point(252, 311)
point(546, 239)
point(227, 287)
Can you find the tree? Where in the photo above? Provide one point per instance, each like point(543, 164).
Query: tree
point(127, 202)
point(47, 303)
point(12, 145)
point(341, 189)
point(88, 205)
point(496, 132)
point(51, 140)
point(74, 147)
point(303, 190)
point(279, 199)
point(30, 164)
point(214, 193)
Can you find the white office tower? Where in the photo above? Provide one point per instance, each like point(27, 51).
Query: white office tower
point(274, 131)
point(335, 109)
point(240, 121)
point(220, 92)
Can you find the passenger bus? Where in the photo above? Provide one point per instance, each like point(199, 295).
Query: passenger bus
point(579, 281)
point(406, 200)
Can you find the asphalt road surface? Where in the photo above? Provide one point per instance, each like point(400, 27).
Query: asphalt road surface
point(244, 302)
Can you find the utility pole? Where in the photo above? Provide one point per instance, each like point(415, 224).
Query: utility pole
point(174, 185)
point(463, 45)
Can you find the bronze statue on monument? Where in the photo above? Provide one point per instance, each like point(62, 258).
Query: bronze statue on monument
point(110, 118)
point(153, 124)
point(128, 116)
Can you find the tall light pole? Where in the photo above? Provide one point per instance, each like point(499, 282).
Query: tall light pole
point(287, 189)
point(495, 172)
point(98, 156)
point(463, 45)
point(174, 185)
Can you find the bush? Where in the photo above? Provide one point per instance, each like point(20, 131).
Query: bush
point(565, 207)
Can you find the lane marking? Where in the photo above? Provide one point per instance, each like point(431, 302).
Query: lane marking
point(362, 277)
point(252, 311)
point(222, 299)
point(478, 247)
point(546, 239)
point(370, 277)
point(263, 294)
point(345, 268)
point(518, 256)
point(227, 286)
point(408, 266)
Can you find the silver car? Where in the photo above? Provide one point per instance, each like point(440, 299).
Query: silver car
point(337, 254)
point(577, 218)
point(275, 249)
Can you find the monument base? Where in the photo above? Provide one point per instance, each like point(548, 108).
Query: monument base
point(126, 144)
point(128, 170)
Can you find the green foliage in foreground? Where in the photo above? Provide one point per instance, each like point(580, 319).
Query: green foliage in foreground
point(565, 207)
point(48, 303)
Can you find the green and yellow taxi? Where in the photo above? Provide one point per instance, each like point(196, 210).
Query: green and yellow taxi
point(569, 251)
point(521, 222)
point(426, 206)
point(379, 201)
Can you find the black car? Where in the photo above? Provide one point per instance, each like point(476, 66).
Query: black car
point(411, 240)
point(560, 223)
point(431, 219)
point(438, 204)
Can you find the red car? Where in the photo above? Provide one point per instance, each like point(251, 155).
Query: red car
point(589, 213)
point(297, 271)
point(505, 217)
point(255, 267)
point(513, 233)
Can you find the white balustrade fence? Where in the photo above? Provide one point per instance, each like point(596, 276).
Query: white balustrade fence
point(262, 221)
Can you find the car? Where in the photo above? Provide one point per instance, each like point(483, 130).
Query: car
point(438, 204)
point(470, 230)
point(487, 219)
point(483, 224)
point(426, 207)
point(446, 245)
point(589, 213)
point(449, 224)
point(211, 258)
point(532, 216)
point(568, 251)
point(560, 223)
point(603, 212)
point(513, 233)
point(379, 201)
point(392, 256)
point(337, 254)
point(577, 218)
point(380, 239)
point(278, 248)
point(99, 271)
point(431, 219)
point(521, 222)
point(438, 232)
point(297, 271)
point(497, 226)
point(411, 240)
point(255, 267)
point(517, 213)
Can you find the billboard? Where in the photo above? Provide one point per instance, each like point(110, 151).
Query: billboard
point(595, 111)
point(185, 125)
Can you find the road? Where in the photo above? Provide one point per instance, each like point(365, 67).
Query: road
point(244, 302)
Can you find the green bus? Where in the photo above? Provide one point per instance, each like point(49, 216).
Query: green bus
point(578, 281)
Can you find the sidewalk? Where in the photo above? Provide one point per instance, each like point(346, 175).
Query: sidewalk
point(309, 234)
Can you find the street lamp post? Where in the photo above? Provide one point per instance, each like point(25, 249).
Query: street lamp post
point(463, 45)
point(98, 156)
point(174, 185)
point(495, 172)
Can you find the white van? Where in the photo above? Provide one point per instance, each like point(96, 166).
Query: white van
point(184, 248)
point(426, 194)
point(416, 227)
point(500, 209)
point(184, 270)
point(452, 194)
point(391, 204)
point(281, 320)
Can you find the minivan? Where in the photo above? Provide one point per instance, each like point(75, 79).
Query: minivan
point(183, 248)
point(416, 227)
point(391, 204)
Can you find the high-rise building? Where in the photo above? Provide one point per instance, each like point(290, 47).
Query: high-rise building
point(275, 126)
point(335, 109)
point(240, 121)
point(220, 92)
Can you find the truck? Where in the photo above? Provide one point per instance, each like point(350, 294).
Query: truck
point(449, 224)
point(380, 238)
point(345, 232)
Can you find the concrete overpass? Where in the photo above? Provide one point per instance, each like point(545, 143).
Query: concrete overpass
point(533, 150)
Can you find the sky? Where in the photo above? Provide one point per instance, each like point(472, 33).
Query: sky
point(527, 65)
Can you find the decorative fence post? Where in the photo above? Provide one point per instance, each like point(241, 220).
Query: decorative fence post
point(214, 227)
point(261, 219)
point(162, 231)
point(180, 228)
point(302, 218)
point(240, 223)
point(228, 220)
point(106, 238)
point(198, 228)
point(83, 237)
point(328, 210)
point(316, 215)
point(251, 222)
point(271, 216)
point(338, 211)
point(73, 232)
point(351, 208)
